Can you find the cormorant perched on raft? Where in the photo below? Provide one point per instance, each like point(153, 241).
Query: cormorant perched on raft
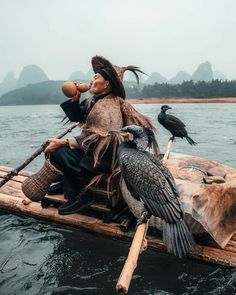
point(174, 125)
point(150, 182)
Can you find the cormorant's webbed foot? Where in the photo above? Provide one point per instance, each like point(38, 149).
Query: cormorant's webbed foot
point(144, 218)
point(172, 138)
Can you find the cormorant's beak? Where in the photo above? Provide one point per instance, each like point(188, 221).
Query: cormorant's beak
point(121, 133)
point(114, 132)
point(168, 108)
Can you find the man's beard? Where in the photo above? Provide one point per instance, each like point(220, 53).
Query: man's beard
point(91, 90)
point(94, 92)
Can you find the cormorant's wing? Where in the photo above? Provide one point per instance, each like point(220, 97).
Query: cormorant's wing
point(175, 126)
point(146, 180)
point(173, 121)
point(166, 172)
point(132, 191)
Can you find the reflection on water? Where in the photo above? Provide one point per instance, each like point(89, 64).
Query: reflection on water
point(44, 258)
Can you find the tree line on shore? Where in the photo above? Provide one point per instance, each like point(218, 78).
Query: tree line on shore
point(200, 89)
point(49, 92)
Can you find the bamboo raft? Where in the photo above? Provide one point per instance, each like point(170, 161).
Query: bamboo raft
point(12, 199)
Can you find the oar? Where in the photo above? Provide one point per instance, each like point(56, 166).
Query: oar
point(139, 244)
point(15, 171)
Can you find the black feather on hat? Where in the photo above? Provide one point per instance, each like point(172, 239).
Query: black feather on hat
point(113, 74)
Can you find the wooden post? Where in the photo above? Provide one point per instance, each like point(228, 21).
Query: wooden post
point(136, 248)
point(166, 156)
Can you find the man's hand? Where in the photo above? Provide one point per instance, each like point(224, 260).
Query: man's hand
point(55, 144)
point(76, 97)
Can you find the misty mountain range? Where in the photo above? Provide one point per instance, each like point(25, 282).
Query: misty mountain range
point(32, 74)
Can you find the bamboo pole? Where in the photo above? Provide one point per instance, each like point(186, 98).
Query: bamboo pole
point(136, 248)
point(167, 153)
point(15, 172)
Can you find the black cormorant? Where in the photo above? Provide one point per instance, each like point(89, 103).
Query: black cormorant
point(174, 125)
point(150, 182)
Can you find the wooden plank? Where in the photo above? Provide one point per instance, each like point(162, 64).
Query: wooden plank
point(34, 209)
point(99, 207)
point(12, 191)
point(56, 198)
point(11, 188)
point(207, 240)
point(102, 192)
point(12, 183)
point(200, 252)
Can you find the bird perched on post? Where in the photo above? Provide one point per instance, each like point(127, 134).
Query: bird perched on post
point(150, 182)
point(174, 125)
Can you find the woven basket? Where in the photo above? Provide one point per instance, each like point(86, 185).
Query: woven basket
point(36, 186)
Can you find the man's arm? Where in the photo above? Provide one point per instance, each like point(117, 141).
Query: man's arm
point(74, 110)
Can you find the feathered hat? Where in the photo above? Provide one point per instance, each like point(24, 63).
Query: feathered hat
point(113, 74)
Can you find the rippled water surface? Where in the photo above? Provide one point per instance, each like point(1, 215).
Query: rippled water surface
point(44, 258)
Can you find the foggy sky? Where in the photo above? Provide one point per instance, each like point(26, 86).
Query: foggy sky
point(61, 36)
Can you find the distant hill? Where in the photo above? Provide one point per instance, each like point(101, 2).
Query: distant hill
point(81, 76)
point(203, 72)
point(155, 78)
point(90, 74)
point(130, 77)
point(48, 92)
point(78, 76)
point(8, 83)
point(31, 74)
point(35, 88)
point(180, 77)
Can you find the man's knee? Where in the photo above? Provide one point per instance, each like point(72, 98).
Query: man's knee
point(59, 154)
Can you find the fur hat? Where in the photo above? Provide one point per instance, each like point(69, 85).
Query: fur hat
point(113, 74)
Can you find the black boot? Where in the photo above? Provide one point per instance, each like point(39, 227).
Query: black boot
point(56, 188)
point(76, 204)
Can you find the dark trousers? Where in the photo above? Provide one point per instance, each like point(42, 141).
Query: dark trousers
point(75, 177)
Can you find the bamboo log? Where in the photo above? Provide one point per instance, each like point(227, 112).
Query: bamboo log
point(207, 253)
point(123, 283)
point(34, 209)
point(12, 188)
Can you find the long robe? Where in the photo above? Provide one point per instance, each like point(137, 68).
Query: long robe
point(100, 115)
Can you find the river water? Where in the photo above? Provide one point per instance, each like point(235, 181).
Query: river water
point(44, 258)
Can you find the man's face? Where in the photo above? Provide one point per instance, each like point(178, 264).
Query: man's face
point(98, 85)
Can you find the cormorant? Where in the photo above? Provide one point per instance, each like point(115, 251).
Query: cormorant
point(174, 125)
point(150, 182)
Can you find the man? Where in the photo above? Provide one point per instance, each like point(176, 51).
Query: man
point(93, 153)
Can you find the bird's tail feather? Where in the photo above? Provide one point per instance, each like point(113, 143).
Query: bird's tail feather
point(177, 238)
point(190, 140)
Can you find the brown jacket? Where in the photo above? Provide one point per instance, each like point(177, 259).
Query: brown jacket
point(99, 115)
